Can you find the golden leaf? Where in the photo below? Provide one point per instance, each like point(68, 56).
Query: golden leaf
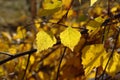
point(32, 59)
point(21, 33)
point(70, 37)
point(114, 65)
point(92, 57)
point(44, 40)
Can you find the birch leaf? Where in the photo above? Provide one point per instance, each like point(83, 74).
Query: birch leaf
point(70, 37)
point(92, 56)
point(44, 40)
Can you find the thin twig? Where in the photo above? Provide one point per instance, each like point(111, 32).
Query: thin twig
point(58, 70)
point(6, 54)
point(17, 55)
point(26, 67)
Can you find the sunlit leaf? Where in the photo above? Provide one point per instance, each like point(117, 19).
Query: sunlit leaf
point(92, 2)
point(92, 57)
point(44, 40)
point(70, 37)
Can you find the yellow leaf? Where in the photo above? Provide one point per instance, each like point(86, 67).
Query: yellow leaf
point(2, 71)
point(92, 2)
point(94, 26)
point(7, 36)
point(92, 57)
point(32, 59)
point(91, 76)
point(57, 16)
point(37, 23)
point(114, 9)
point(21, 33)
point(114, 65)
point(70, 37)
point(12, 50)
point(44, 40)
point(41, 75)
point(100, 19)
point(47, 12)
point(52, 5)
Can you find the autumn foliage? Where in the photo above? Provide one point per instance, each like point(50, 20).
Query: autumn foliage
point(65, 42)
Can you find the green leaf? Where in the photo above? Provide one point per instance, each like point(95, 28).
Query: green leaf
point(44, 40)
point(70, 37)
point(92, 2)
